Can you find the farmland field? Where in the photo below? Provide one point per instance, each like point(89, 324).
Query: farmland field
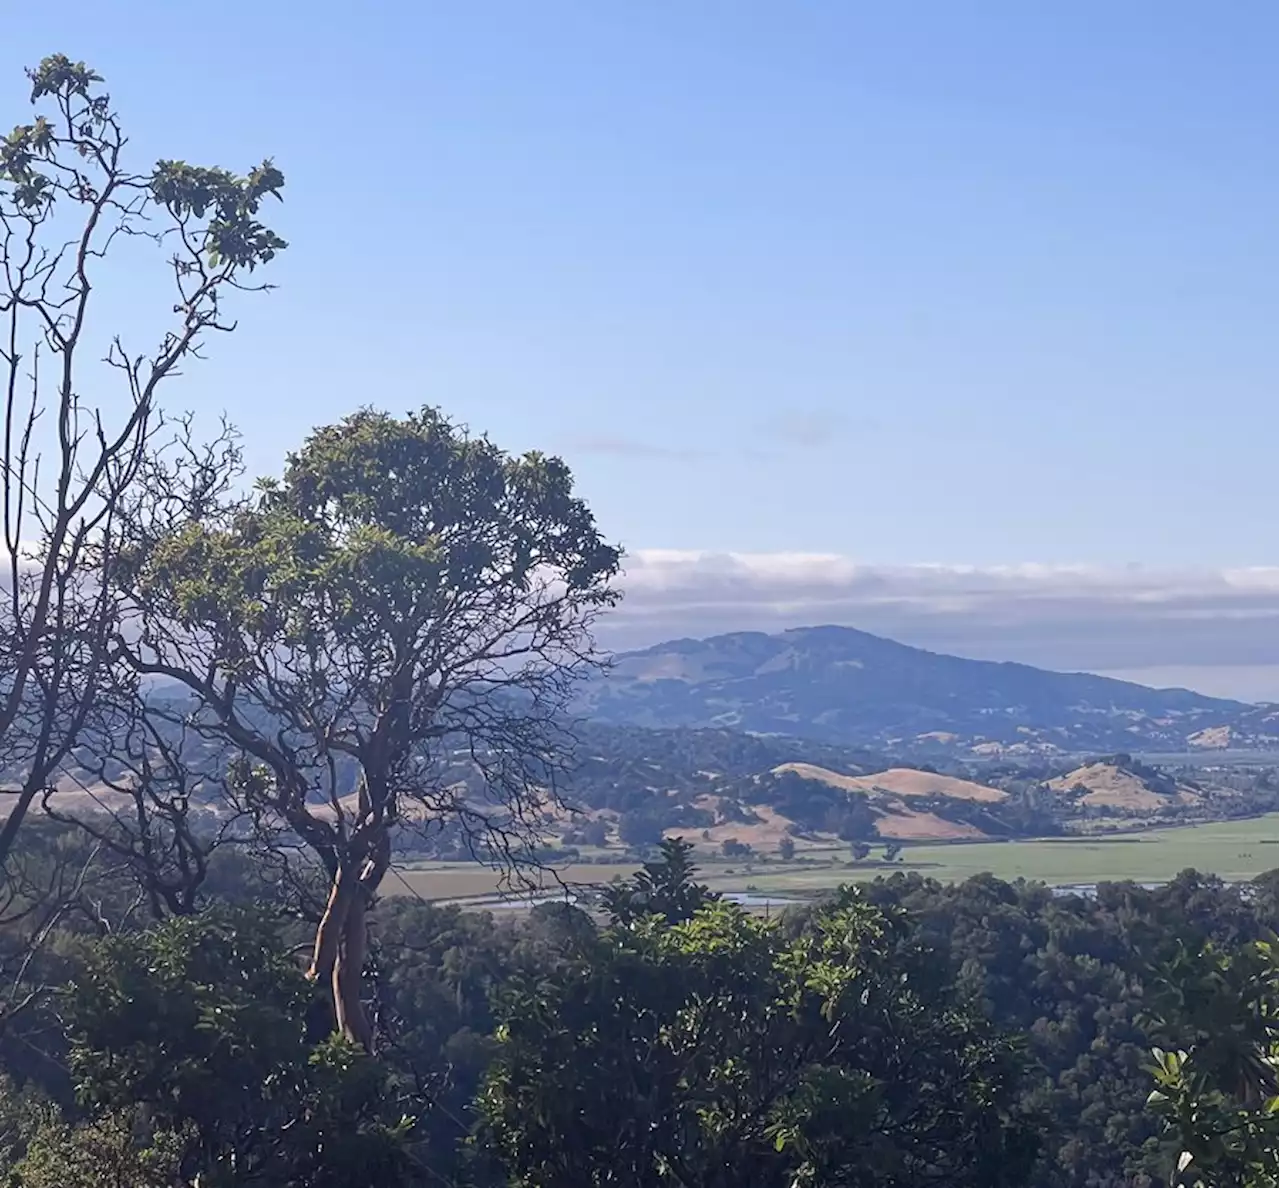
point(1233, 849)
point(465, 880)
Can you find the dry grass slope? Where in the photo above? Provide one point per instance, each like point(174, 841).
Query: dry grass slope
point(899, 781)
point(1114, 787)
point(910, 825)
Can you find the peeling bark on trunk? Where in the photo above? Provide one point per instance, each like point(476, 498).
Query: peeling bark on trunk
point(353, 1021)
point(329, 930)
point(342, 935)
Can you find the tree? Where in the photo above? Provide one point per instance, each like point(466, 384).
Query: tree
point(892, 850)
point(595, 833)
point(200, 1026)
point(731, 847)
point(387, 636)
point(856, 820)
point(665, 887)
point(68, 200)
point(859, 850)
point(639, 830)
point(786, 849)
point(715, 1051)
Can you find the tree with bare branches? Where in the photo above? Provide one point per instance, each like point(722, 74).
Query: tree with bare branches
point(388, 637)
point(69, 199)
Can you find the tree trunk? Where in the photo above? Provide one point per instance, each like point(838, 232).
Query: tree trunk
point(353, 1021)
point(334, 959)
point(342, 939)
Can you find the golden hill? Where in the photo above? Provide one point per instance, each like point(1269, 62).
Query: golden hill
point(1212, 738)
point(1115, 787)
point(898, 781)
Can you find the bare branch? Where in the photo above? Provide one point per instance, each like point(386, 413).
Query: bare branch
point(67, 198)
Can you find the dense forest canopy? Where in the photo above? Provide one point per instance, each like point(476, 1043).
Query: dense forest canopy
point(986, 1032)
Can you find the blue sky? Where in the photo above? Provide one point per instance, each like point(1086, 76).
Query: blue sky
point(974, 284)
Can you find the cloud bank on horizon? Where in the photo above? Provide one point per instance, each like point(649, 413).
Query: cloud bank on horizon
point(1215, 631)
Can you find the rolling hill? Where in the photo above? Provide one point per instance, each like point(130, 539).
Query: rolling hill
point(846, 687)
point(899, 781)
point(1113, 784)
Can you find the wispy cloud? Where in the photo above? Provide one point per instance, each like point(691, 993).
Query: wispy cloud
point(812, 428)
point(1079, 617)
point(794, 429)
point(627, 447)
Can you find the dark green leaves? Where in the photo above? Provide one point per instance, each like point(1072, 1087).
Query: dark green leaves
point(232, 235)
point(59, 75)
point(200, 1026)
point(1217, 1092)
point(216, 209)
point(715, 1051)
point(664, 888)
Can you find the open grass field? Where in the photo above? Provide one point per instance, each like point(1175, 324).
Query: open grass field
point(1235, 850)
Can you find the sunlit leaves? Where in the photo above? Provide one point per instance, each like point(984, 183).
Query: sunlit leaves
point(232, 234)
point(215, 209)
point(735, 1055)
point(379, 532)
point(58, 74)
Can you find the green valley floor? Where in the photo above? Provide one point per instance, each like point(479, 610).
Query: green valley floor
point(1235, 850)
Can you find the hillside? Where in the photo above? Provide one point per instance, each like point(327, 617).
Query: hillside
point(901, 781)
point(842, 686)
point(1125, 786)
point(632, 785)
point(709, 787)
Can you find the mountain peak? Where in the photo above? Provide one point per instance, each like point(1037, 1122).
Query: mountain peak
point(847, 686)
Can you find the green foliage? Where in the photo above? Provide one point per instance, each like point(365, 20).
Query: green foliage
point(664, 888)
point(115, 1150)
point(1217, 1096)
point(170, 1017)
point(1072, 974)
point(201, 1022)
point(708, 1032)
point(214, 210)
point(390, 517)
point(423, 586)
point(404, 593)
point(716, 1051)
point(232, 234)
point(640, 830)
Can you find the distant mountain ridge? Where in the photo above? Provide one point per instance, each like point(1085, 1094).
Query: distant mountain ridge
point(848, 687)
